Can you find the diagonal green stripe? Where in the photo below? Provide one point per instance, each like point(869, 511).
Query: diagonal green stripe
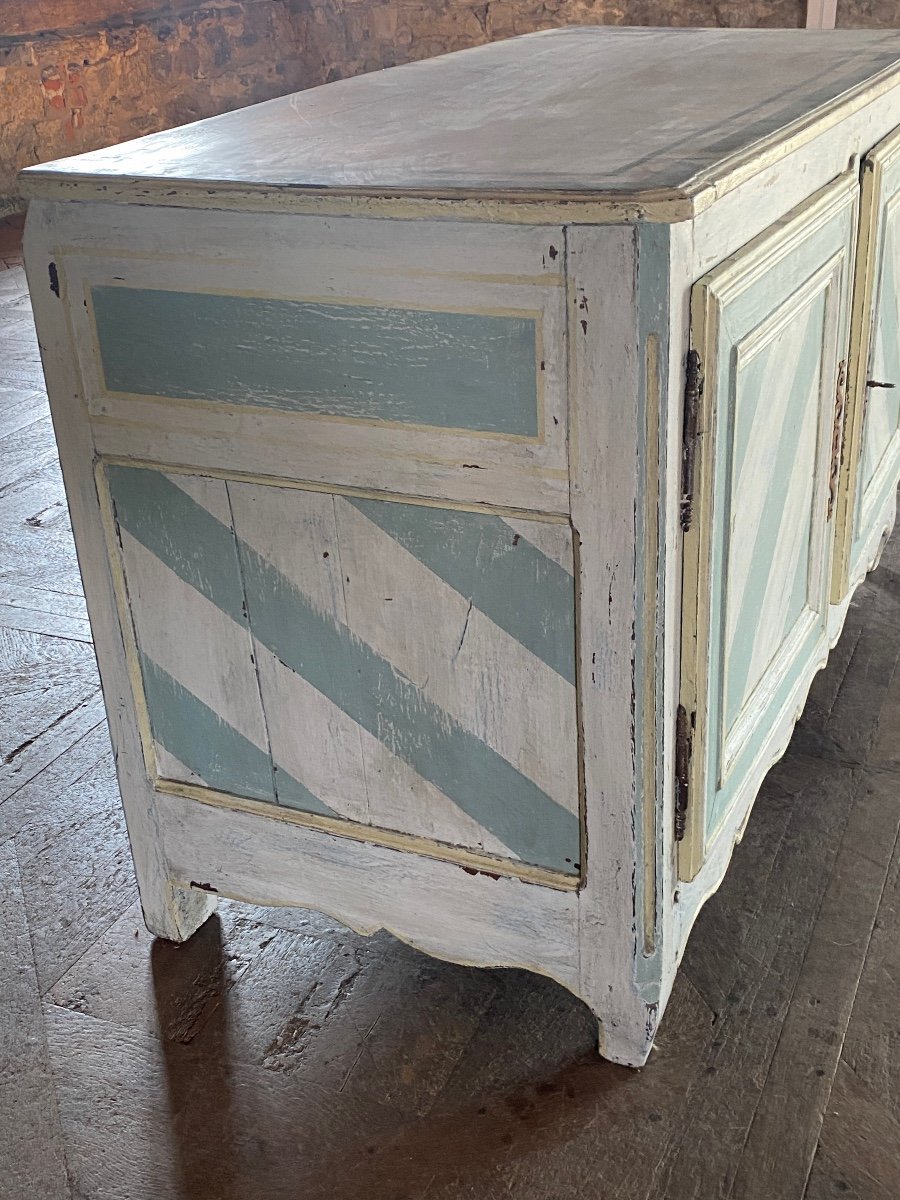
point(197, 736)
point(774, 514)
point(480, 781)
point(366, 687)
point(507, 578)
point(180, 532)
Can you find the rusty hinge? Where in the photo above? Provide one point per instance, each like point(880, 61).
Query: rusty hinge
point(693, 390)
point(683, 748)
point(837, 435)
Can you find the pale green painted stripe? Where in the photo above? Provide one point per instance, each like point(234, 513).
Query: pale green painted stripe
point(366, 687)
point(199, 738)
point(753, 601)
point(181, 533)
point(507, 578)
point(221, 755)
point(445, 369)
point(353, 676)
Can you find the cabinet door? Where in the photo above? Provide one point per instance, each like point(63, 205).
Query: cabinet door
point(770, 325)
point(871, 458)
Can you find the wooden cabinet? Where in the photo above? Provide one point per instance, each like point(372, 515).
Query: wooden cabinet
point(465, 506)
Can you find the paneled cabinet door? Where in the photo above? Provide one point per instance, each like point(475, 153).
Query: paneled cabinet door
point(770, 325)
point(871, 458)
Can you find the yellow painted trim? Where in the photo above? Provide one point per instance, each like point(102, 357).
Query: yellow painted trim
point(409, 843)
point(651, 671)
point(519, 514)
point(126, 626)
point(100, 418)
point(535, 315)
point(861, 319)
point(513, 208)
point(109, 253)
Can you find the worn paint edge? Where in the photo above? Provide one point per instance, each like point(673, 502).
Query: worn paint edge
point(335, 489)
point(650, 587)
point(392, 840)
point(512, 208)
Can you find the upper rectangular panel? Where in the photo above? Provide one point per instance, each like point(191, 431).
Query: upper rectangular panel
point(586, 110)
point(448, 370)
point(412, 357)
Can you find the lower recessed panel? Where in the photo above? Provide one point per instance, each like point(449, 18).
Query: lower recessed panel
point(400, 666)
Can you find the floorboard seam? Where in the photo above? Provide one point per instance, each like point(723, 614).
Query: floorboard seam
point(51, 1069)
point(48, 765)
point(840, 1054)
point(740, 1157)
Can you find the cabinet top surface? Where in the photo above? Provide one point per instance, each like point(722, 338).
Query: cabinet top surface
point(579, 111)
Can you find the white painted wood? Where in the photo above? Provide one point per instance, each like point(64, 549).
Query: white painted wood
point(443, 909)
point(605, 482)
point(436, 267)
point(169, 910)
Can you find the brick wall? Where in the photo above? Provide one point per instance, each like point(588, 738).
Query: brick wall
point(344, 37)
point(78, 74)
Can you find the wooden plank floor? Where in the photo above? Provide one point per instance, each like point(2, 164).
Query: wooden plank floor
point(277, 1056)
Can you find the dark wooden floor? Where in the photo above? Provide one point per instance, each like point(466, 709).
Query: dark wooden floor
point(278, 1057)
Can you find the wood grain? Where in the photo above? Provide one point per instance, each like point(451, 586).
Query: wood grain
point(31, 1150)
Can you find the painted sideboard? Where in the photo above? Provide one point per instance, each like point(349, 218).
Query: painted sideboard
point(467, 489)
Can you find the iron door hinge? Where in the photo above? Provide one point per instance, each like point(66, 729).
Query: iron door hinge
point(837, 435)
point(684, 738)
point(693, 390)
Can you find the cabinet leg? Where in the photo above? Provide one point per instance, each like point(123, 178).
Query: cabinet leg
point(629, 1040)
point(174, 912)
